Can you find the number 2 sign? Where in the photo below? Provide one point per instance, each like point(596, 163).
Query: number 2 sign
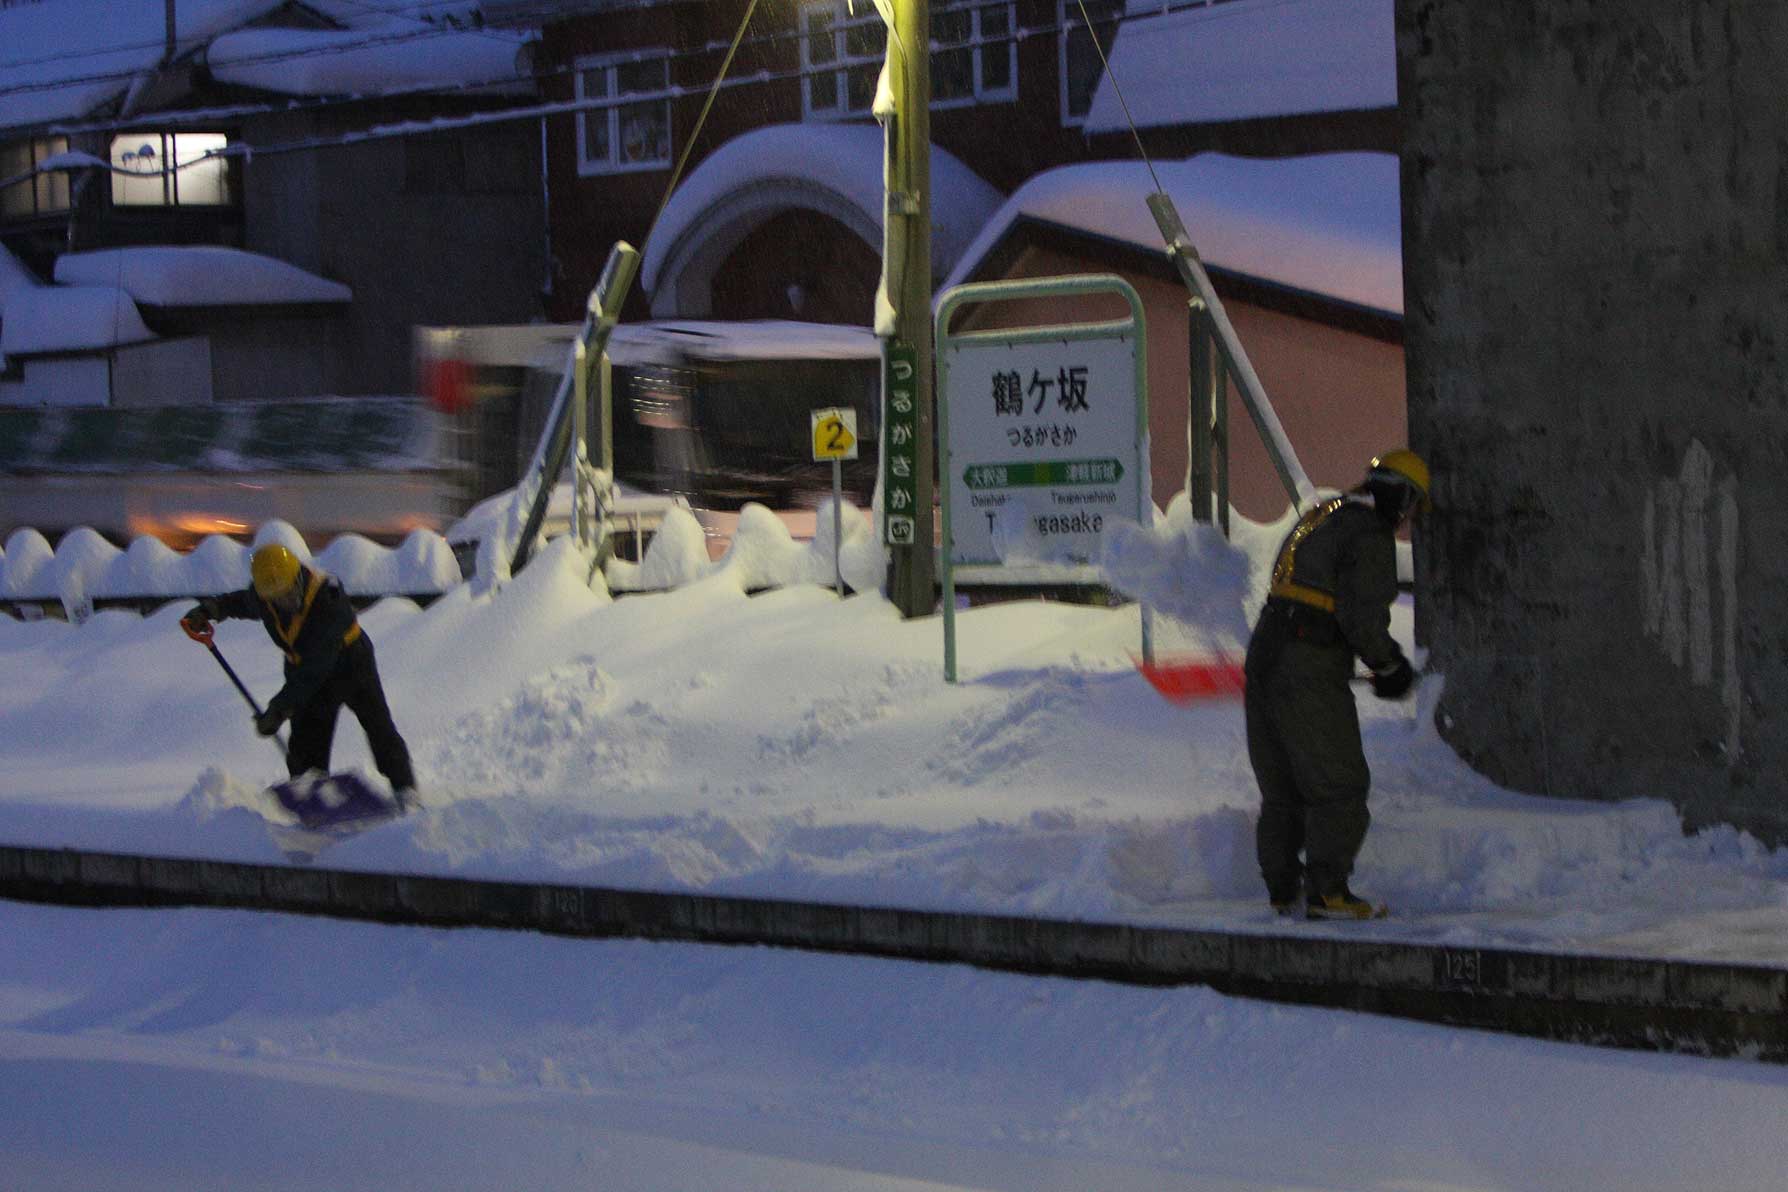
point(834, 434)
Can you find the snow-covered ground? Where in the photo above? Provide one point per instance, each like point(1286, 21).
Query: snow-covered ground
point(799, 745)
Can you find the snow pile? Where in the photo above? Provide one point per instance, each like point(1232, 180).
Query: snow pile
point(763, 553)
point(85, 566)
point(794, 744)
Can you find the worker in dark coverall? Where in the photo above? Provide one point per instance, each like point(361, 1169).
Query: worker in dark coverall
point(329, 662)
point(1329, 602)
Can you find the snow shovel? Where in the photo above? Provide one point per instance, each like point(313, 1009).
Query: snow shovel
point(318, 800)
point(1193, 678)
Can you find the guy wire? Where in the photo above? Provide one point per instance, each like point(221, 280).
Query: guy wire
point(695, 133)
point(1105, 63)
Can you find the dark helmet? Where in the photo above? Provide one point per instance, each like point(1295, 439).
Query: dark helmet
point(1398, 482)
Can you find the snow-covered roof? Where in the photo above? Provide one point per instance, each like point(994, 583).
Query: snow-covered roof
point(71, 58)
point(1248, 58)
point(44, 319)
point(198, 275)
point(1329, 224)
point(372, 59)
point(844, 162)
point(65, 59)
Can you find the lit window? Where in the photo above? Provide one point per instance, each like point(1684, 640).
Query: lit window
point(974, 54)
point(167, 169)
point(1081, 64)
point(632, 135)
point(44, 194)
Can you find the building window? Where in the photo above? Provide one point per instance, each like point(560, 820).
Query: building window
point(635, 135)
point(44, 194)
point(167, 169)
point(974, 54)
point(1081, 64)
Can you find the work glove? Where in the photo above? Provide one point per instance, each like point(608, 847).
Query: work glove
point(196, 620)
point(268, 722)
point(1395, 682)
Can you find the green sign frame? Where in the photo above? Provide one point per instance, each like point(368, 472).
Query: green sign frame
point(1059, 468)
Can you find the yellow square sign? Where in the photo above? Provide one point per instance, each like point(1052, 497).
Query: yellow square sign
point(834, 433)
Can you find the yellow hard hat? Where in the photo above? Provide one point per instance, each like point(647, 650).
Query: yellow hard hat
point(1410, 466)
point(274, 570)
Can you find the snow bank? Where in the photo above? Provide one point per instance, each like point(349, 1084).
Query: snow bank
point(84, 566)
point(793, 744)
point(763, 553)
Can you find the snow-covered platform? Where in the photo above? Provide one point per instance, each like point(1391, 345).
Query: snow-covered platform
point(1701, 1008)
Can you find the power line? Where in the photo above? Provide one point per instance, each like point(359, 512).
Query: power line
point(1018, 34)
point(537, 111)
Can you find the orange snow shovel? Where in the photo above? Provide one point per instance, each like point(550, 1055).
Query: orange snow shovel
point(1193, 678)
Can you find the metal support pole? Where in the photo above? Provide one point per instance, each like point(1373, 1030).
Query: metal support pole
point(1220, 438)
point(838, 524)
point(1198, 466)
point(603, 311)
point(1234, 359)
point(580, 444)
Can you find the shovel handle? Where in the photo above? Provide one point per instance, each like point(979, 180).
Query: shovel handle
point(205, 638)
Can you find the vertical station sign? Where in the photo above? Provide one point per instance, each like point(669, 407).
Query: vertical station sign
point(1044, 433)
point(900, 443)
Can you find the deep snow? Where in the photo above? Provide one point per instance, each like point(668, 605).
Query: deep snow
point(795, 744)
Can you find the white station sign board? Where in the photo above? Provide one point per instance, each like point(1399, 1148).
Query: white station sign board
point(1044, 436)
point(1043, 448)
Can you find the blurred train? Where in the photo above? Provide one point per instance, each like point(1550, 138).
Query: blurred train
point(714, 415)
point(708, 415)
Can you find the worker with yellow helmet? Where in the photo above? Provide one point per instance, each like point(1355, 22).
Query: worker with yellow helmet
point(1329, 602)
point(329, 663)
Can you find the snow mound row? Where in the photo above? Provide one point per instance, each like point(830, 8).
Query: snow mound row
point(84, 566)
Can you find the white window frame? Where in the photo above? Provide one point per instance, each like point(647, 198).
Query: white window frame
point(841, 62)
point(1069, 19)
point(588, 166)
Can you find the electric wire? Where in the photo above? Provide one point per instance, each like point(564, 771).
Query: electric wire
point(1018, 34)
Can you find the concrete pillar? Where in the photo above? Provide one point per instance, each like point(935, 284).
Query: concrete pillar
point(1595, 206)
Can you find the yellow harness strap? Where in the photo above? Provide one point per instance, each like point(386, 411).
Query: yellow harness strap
point(1283, 586)
point(289, 633)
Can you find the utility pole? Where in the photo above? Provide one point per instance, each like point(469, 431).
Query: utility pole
point(912, 577)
